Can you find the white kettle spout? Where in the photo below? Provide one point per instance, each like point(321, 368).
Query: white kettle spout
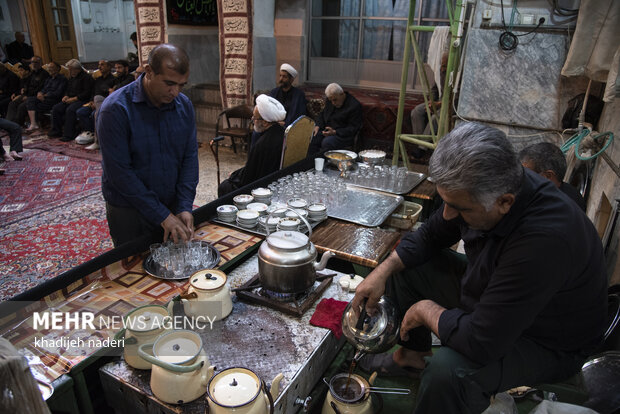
point(326, 256)
point(275, 386)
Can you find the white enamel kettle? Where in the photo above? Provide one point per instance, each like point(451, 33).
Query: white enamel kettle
point(208, 295)
point(142, 325)
point(181, 368)
point(241, 391)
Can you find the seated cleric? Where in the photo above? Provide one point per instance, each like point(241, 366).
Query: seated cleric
point(264, 156)
point(528, 303)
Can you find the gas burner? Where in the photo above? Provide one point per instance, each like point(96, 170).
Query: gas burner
point(282, 297)
point(295, 304)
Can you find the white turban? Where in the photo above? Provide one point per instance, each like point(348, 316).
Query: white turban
point(289, 69)
point(270, 109)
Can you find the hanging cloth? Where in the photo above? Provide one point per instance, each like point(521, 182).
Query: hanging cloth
point(437, 47)
point(595, 40)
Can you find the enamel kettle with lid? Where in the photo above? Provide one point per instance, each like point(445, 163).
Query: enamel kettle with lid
point(208, 295)
point(241, 390)
point(181, 368)
point(287, 260)
point(142, 325)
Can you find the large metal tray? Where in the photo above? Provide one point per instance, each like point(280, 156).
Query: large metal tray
point(152, 268)
point(365, 206)
point(409, 183)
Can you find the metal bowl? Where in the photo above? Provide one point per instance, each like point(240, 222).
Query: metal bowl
point(373, 157)
point(344, 157)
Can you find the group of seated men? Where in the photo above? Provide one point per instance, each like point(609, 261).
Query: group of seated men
point(73, 101)
point(336, 127)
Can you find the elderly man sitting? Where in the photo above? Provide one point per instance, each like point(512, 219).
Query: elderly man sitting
point(264, 156)
point(339, 122)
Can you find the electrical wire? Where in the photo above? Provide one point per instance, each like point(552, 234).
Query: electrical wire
point(508, 41)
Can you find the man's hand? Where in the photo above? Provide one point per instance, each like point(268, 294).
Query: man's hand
point(329, 131)
point(373, 286)
point(316, 130)
point(40, 96)
point(65, 99)
point(187, 219)
point(175, 229)
point(422, 313)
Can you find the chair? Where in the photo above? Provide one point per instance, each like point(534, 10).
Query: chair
point(296, 141)
point(215, 147)
point(240, 129)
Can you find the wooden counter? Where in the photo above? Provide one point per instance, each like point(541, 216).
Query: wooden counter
point(425, 190)
point(365, 246)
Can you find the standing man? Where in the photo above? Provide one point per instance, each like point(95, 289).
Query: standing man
point(19, 51)
point(527, 306)
point(292, 99)
point(147, 133)
point(339, 122)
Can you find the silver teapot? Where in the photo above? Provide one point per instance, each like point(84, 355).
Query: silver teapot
point(287, 260)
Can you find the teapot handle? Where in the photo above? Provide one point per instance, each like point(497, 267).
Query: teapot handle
point(166, 365)
point(298, 215)
point(269, 397)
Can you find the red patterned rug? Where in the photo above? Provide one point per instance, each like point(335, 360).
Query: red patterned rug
point(43, 181)
point(40, 247)
point(39, 140)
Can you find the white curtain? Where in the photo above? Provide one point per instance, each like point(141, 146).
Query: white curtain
point(347, 36)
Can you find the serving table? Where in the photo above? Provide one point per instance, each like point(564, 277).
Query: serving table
point(265, 340)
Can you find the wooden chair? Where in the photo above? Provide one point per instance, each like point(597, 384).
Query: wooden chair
point(241, 127)
point(297, 139)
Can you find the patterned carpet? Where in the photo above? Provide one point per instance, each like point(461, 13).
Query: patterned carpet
point(38, 248)
point(39, 140)
point(43, 181)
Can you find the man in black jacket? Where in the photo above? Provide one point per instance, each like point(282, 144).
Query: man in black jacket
point(86, 114)
point(527, 306)
point(78, 93)
point(31, 86)
point(9, 85)
point(338, 124)
point(264, 157)
point(52, 92)
point(19, 51)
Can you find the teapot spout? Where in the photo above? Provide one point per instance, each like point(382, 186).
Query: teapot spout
point(275, 386)
point(326, 256)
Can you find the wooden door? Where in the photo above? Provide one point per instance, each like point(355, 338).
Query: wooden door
point(61, 34)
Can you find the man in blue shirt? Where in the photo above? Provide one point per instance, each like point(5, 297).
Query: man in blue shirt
point(147, 134)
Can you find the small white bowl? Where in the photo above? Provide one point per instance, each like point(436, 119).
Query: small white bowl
point(298, 212)
point(260, 207)
point(262, 192)
point(247, 215)
point(243, 199)
point(316, 208)
point(297, 203)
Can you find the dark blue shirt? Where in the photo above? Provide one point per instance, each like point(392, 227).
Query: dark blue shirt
point(54, 88)
point(539, 273)
point(293, 101)
point(150, 154)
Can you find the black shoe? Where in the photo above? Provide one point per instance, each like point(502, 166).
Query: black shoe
point(66, 139)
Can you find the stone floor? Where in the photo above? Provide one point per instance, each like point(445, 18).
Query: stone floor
point(229, 162)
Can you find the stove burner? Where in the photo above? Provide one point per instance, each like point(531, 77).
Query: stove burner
point(283, 297)
point(295, 304)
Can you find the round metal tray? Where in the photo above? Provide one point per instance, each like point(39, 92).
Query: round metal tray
point(150, 267)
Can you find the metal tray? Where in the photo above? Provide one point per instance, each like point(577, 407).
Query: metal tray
point(409, 183)
point(365, 206)
point(259, 231)
point(151, 267)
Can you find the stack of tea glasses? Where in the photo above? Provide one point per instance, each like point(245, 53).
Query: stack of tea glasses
point(180, 260)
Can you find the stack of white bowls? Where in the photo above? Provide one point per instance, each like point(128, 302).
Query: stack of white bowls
point(227, 213)
point(317, 212)
point(242, 201)
point(297, 213)
point(297, 203)
point(277, 209)
point(267, 223)
point(262, 195)
point(288, 224)
point(260, 207)
point(247, 218)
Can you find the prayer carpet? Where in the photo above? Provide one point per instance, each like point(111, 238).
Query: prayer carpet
point(39, 140)
point(43, 181)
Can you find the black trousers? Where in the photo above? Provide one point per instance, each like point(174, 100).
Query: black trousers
point(451, 382)
point(127, 224)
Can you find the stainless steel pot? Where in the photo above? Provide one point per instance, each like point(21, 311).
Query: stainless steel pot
point(374, 333)
point(287, 260)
